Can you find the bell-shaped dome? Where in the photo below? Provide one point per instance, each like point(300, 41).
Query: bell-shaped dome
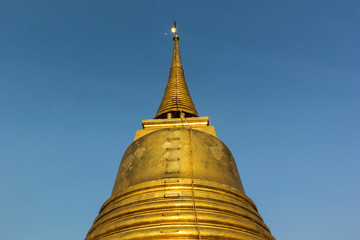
point(178, 183)
point(177, 153)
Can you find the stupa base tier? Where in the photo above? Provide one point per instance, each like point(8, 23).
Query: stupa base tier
point(179, 209)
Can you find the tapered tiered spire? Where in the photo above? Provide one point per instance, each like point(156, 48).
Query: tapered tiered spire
point(176, 101)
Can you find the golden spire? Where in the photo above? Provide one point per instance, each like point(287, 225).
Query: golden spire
point(176, 101)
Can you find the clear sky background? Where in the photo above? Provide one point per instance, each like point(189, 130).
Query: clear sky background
point(279, 80)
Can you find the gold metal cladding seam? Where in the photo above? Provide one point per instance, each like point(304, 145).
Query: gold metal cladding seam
point(155, 191)
point(172, 102)
point(171, 99)
point(181, 231)
point(168, 107)
point(173, 233)
point(176, 109)
point(184, 108)
point(211, 203)
point(172, 106)
point(179, 214)
point(182, 90)
point(157, 185)
point(181, 124)
point(228, 204)
point(204, 205)
point(182, 217)
point(171, 205)
point(186, 232)
point(172, 93)
point(169, 103)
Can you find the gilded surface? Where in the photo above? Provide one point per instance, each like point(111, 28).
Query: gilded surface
point(178, 183)
point(177, 180)
point(166, 154)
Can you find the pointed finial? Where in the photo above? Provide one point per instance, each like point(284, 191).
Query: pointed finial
point(174, 30)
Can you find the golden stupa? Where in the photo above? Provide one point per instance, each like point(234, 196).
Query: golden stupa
point(177, 180)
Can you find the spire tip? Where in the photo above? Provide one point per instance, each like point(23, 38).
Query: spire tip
point(174, 30)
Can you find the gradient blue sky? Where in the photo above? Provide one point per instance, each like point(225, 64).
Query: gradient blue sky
point(279, 80)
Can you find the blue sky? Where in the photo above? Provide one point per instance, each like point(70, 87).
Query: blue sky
point(278, 79)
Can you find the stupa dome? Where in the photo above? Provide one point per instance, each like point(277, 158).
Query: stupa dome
point(166, 154)
point(161, 176)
